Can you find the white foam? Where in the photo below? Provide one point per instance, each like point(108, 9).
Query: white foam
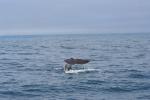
point(80, 71)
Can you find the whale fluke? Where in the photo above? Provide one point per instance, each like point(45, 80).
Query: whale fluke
point(76, 61)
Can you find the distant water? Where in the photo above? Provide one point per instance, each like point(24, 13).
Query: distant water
point(31, 67)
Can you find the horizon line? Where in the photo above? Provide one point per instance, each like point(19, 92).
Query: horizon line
point(73, 33)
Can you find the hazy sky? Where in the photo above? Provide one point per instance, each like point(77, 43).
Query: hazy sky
point(100, 16)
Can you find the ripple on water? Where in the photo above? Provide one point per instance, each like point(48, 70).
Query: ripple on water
point(67, 47)
point(27, 53)
point(94, 82)
point(139, 56)
point(139, 75)
point(16, 93)
point(144, 97)
point(127, 87)
point(36, 89)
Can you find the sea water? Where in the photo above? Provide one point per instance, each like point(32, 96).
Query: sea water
point(31, 67)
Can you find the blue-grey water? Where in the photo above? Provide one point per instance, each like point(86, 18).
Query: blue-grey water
point(31, 67)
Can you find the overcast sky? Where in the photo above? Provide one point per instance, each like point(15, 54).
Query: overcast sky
point(92, 16)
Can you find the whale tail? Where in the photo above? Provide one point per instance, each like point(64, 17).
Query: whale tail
point(76, 61)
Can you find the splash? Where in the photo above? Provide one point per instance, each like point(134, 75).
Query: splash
point(80, 71)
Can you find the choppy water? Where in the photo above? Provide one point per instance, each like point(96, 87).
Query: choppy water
point(31, 67)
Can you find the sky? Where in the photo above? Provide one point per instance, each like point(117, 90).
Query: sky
point(73, 16)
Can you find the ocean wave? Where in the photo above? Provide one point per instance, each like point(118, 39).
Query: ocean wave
point(27, 53)
point(116, 89)
point(81, 71)
point(94, 82)
point(67, 47)
point(16, 93)
point(144, 97)
point(139, 75)
point(128, 87)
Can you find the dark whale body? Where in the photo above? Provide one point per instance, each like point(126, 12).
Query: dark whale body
point(76, 61)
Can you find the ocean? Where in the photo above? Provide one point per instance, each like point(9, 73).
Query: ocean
point(31, 67)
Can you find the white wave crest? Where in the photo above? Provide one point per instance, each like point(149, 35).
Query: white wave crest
point(81, 71)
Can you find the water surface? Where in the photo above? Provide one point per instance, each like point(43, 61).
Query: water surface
point(31, 67)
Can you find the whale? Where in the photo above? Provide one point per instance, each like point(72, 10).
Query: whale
point(73, 61)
